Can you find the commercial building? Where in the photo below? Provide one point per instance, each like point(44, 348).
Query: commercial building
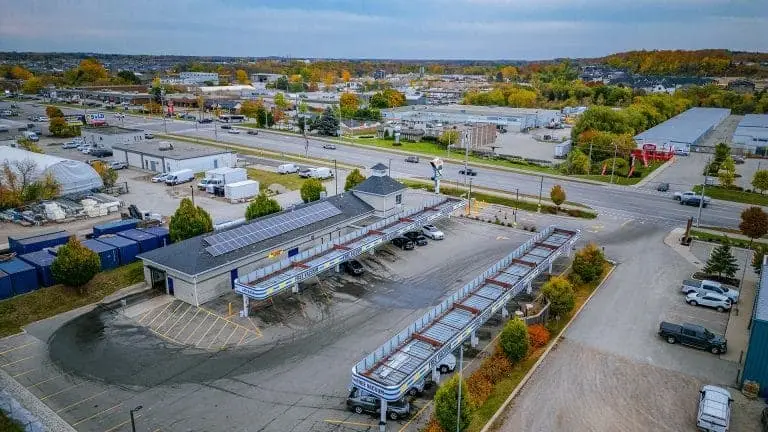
point(110, 136)
point(381, 192)
point(511, 119)
point(756, 360)
point(199, 77)
point(265, 77)
point(686, 130)
point(165, 156)
point(73, 176)
point(751, 134)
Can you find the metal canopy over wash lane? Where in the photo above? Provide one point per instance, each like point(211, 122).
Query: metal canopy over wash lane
point(408, 357)
point(268, 281)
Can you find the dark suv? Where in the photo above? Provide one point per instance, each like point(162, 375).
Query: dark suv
point(416, 237)
point(360, 402)
point(354, 267)
point(403, 243)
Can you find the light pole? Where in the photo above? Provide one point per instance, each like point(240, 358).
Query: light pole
point(701, 198)
point(461, 370)
point(336, 175)
point(541, 190)
point(162, 108)
point(133, 422)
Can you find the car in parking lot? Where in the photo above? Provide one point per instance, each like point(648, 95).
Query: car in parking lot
point(707, 286)
point(403, 243)
point(148, 135)
point(305, 172)
point(160, 178)
point(412, 159)
point(234, 131)
point(205, 120)
point(69, 145)
point(694, 336)
point(711, 299)
point(714, 412)
point(100, 152)
point(738, 160)
point(329, 146)
point(468, 171)
point(354, 268)
point(115, 165)
point(663, 187)
point(226, 126)
point(361, 401)
point(416, 237)
point(432, 232)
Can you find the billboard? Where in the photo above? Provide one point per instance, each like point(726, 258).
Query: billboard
point(74, 120)
point(95, 118)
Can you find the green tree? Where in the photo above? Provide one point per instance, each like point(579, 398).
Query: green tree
point(588, 262)
point(58, 127)
point(32, 86)
point(760, 180)
point(600, 118)
point(75, 264)
point(354, 178)
point(349, 103)
point(189, 221)
point(449, 137)
point(514, 341)
point(722, 152)
point(328, 123)
point(577, 163)
point(726, 178)
point(754, 223)
point(757, 258)
point(128, 77)
point(311, 189)
point(262, 205)
point(557, 195)
point(559, 292)
point(447, 405)
point(721, 261)
point(107, 174)
point(281, 102)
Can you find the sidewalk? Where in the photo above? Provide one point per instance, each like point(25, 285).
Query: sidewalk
point(673, 240)
point(736, 333)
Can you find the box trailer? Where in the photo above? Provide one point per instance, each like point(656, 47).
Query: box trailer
point(107, 253)
point(23, 276)
point(114, 227)
point(162, 234)
point(126, 249)
point(42, 261)
point(23, 245)
point(227, 175)
point(562, 150)
point(146, 241)
point(241, 191)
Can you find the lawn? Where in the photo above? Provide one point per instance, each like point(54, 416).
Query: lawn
point(622, 179)
point(19, 311)
point(505, 387)
point(267, 178)
point(734, 195)
point(8, 425)
point(718, 238)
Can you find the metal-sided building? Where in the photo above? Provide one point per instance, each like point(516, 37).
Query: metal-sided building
point(756, 360)
point(511, 119)
point(686, 130)
point(110, 136)
point(751, 135)
point(195, 272)
point(164, 156)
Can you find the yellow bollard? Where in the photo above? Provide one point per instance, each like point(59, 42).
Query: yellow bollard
point(230, 309)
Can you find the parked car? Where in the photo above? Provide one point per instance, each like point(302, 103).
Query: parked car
point(100, 152)
point(226, 126)
point(416, 237)
point(694, 336)
point(117, 165)
point(305, 173)
point(468, 171)
point(694, 200)
point(663, 187)
point(252, 132)
point(432, 232)
point(69, 145)
point(714, 409)
point(234, 131)
point(361, 401)
point(682, 152)
point(354, 267)
point(160, 178)
point(205, 120)
point(738, 160)
point(713, 300)
point(412, 159)
point(148, 135)
point(403, 243)
point(288, 168)
point(707, 286)
point(329, 146)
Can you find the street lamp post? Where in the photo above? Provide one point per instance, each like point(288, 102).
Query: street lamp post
point(162, 108)
point(133, 421)
point(336, 175)
point(461, 370)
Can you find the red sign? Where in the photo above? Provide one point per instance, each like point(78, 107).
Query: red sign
point(649, 147)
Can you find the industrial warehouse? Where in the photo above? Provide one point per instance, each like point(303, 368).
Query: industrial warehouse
point(72, 176)
point(685, 131)
point(164, 156)
point(202, 268)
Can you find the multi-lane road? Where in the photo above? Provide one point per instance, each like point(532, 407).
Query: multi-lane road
point(643, 205)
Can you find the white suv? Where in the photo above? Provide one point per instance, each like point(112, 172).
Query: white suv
point(714, 409)
point(432, 232)
point(709, 299)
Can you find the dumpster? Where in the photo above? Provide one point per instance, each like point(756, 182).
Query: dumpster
point(6, 291)
point(114, 227)
point(146, 241)
point(41, 261)
point(23, 245)
point(126, 249)
point(162, 234)
point(108, 254)
point(23, 276)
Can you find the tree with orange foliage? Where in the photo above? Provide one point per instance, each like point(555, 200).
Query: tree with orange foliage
point(18, 72)
point(538, 335)
point(346, 76)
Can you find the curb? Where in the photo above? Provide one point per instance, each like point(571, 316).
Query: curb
point(654, 174)
point(536, 365)
point(36, 408)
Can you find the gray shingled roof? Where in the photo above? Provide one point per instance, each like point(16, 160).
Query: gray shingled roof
point(379, 185)
point(189, 256)
point(380, 167)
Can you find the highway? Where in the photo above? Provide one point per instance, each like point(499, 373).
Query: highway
point(642, 205)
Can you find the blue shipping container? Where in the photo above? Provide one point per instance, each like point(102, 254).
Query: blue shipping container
point(6, 291)
point(163, 235)
point(107, 253)
point(146, 241)
point(42, 261)
point(114, 227)
point(38, 242)
point(126, 249)
point(23, 276)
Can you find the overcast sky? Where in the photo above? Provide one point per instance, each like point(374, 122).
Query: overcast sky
point(408, 29)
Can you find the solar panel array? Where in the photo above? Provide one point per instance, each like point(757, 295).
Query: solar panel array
point(247, 235)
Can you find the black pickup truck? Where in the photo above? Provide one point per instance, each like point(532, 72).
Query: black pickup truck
point(693, 335)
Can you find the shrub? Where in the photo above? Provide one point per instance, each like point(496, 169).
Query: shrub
point(446, 405)
point(311, 189)
point(354, 178)
point(479, 387)
point(538, 335)
point(75, 264)
point(496, 367)
point(588, 262)
point(262, 205)
point(189, 221)
point(514, 340)
point(433, 426)
point(560, 294)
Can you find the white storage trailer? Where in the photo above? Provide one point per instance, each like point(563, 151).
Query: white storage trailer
point(241, 191)
point(227, 175)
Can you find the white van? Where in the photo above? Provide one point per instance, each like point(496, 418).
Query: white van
point(321, 173)
point(178, 177)
point(288, 168)
point(30, 136)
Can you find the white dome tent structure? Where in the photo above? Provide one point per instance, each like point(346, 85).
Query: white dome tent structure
point(73, 176)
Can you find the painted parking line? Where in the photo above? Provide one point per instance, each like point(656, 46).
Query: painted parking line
point(170, 315)
point(17, 348)
point(217, 336)
point(162, 336)
point(49, 379)
point(17, 361)
point(177, 320)
point(205, 318)
point(187, 324)
point(95, 415)
point(121, 424)
point(206, 332)
point(230, 337)
point(24, 373)
point(256, 329)
point(344, 422)
point(61, 391)
point(78, 403)
point(158, 315)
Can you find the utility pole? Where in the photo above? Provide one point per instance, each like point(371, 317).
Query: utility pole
point(466, 159)
point(469, 199)
point(589, 170)
point(541, 189)
point(162, 108)
point(615, 153)
point(336, 175)
point(461, 370)
point(517, 204)
point(192, 188)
